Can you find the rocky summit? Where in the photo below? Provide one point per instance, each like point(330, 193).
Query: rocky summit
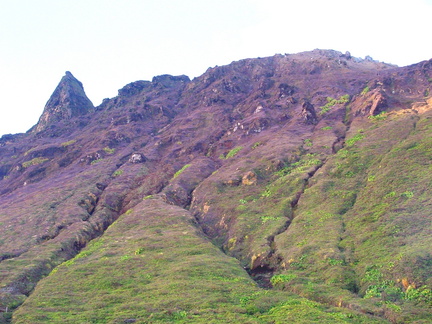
point(293, 188)
point(68, 100)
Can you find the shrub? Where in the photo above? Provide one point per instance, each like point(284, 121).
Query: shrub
point(95, 161)
point(381, 116)
point(282, 278)
point(365, 91)
point(233, 152)
point(109, 150)
point(181, 170)
point(407, 194)
point(354, 139)
point(332, 101)
point(422, 294)
point(139, 251)
point(68, 143)
point(308, 142)
point(265, 219)
point(117, 173)
point(34, 161)
point(256, 145)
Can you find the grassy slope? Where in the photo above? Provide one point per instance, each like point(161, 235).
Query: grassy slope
point(360, 233)
point(362, 225)
point(154, 266)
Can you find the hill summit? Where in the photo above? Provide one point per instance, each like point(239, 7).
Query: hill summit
point(68, 100)
point(292, 188)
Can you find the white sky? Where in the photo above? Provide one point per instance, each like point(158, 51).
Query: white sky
point(109, 43)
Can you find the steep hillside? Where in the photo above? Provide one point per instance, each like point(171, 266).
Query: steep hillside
point(288, 188)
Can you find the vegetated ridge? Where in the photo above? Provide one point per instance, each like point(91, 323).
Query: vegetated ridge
point(292, 188)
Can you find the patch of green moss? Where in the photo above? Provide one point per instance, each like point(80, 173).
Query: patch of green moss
point(332, 102)
point(381, 116)
point(109, 150)
point(95, 161)
point(181, 170)
point(35, 161)
point(117, 173)
point(231, 153)
point(68, 143)
point(365, 91)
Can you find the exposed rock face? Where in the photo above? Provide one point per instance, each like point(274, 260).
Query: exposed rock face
point(68, 100)
point(370, 104)
point(308, 113)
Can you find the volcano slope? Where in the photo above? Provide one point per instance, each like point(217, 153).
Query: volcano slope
point(288, 188)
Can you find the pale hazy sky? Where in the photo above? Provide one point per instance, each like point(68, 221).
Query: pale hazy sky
point(109, 43)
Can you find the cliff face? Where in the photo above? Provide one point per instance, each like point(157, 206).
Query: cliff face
point(309, 171)
point(68, 100)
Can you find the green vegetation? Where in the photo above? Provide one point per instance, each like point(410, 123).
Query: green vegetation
point(233, 152)
point(381, 116)
point(332, 102)
point(365, 91)
point(407, 194)
point(277, 280)
point(109, 150)
point(308, 142)
point(364, 195)
point(117, 173)
point(389, 291)
point(421, 295)
point(96, 161)
point(65, 144)
point(29, 151)
point(326, 128)
point(255, 145)
point(357, 137)
point(181, 170)
point(34, 161)
point(308, 160)
point(183, 277)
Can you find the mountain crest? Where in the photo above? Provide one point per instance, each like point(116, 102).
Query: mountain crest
point(68, 100)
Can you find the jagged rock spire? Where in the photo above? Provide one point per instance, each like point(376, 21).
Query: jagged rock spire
point(68, 100)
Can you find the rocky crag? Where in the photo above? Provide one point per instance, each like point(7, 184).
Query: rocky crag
point(287, 188)
point(68, 100)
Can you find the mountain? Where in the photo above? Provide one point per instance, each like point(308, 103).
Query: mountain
point(292, 188)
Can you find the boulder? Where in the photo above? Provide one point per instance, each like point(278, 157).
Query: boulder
point(308, 113)
point(137, 158)
point(250, 178)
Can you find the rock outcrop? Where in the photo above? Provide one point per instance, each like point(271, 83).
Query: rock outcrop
point(68, 100)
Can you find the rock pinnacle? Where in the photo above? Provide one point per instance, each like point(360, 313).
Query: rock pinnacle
point(68, 100)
